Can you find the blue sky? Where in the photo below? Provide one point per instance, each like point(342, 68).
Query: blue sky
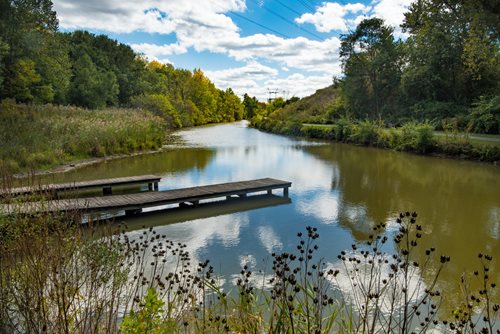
point(251, 46)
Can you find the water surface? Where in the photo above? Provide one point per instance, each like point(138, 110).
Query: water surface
point(343, 190)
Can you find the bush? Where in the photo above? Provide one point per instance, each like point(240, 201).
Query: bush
point(364, 133)
point(485, 116)
point(416, 138)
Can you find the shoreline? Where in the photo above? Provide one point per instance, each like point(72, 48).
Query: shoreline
point(454, 149)
point(77, 164)
point(171, 139)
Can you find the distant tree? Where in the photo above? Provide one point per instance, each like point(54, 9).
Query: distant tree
point(274, 105)
point(159, 105)
point(251, 106)
point(22, 80)
point(229, 106)
point(91, 87)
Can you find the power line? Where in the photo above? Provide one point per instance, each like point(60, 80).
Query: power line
point(290, 22)
point(305, 4)
point(289, 8)
point(260, 25)
point(311, 2)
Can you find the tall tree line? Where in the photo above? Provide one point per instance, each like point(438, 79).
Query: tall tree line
point(39, 64)
point(447, 68)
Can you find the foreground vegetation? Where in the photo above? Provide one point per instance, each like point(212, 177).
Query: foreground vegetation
point(35, 137)
point(57, 277)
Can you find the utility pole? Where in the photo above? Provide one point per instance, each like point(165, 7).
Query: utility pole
point(271, 92)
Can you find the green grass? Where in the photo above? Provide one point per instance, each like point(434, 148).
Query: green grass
point(37, 137)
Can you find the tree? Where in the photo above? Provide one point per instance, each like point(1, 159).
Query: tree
point(91, 87)
point(275, 105)
point(22, 80)
point(452, 51)
point(229, 107)
point(371, 63)
point(159, 105)
point(251, 106)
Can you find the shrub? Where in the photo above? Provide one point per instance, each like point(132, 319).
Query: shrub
point(485, 116)
point(364, 133)
point(416, 137)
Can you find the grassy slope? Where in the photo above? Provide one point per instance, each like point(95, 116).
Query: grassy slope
point(310, 109)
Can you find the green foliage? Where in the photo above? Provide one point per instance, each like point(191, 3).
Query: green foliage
point(370, 60)
point(147, 319)
point(22, 80)
point(39, 137)
point(274, 105)
point(317, 108)
point(485, 115)
point(229, 106)
point(91, 87)
point(364, 133)
point(158, 105)
point(40, 65)
point(416, 137)
point(452, 54)
point(252, 107)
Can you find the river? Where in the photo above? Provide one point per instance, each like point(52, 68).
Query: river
point(343, 190)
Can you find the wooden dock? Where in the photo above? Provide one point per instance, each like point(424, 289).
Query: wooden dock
point(134, 203)
point(105, 184)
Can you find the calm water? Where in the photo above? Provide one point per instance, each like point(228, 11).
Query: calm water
point(340, 189)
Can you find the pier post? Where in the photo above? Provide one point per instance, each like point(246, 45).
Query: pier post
point(133, 212)
point(156, 186)
point(269, 191)
point(107, 190)
point(150, 186)
point(285, 192)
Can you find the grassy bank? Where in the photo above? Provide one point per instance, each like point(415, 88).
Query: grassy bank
point(61, 278)
point(37, 137)
point(411, 137)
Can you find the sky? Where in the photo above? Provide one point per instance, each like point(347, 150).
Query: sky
point(289, 47)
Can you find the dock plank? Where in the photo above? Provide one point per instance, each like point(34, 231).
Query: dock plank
point(47, 188)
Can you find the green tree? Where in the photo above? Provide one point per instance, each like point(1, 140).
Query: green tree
point(371, 63)
point(229, 107)
point(22, 80)
point(4, 50)
point(91, 87)
point(159, 105)
point(274, 105)
point(452, 51)
point(251, 106)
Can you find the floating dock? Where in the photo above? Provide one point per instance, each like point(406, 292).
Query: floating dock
point(134, 203)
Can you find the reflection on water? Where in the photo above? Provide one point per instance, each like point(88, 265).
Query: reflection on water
point(343, 190)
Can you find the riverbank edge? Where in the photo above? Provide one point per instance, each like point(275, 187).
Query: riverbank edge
point(80, 163)
point(424, 143)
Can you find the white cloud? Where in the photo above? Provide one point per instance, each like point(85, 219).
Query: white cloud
point(150, 16)
point(332, 16)
point(202, 26)
point(255, 78)
point(392, 12)
point(159, 50)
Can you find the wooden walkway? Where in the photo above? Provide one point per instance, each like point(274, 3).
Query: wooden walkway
point(134, 203)
point(105, 184)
